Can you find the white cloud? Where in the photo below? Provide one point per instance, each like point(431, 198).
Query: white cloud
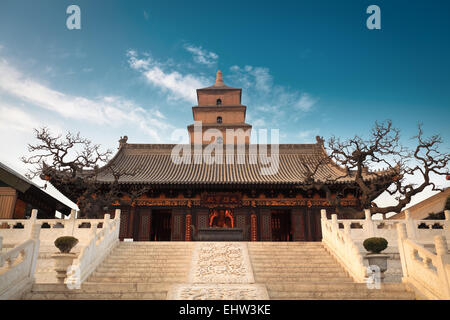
point(201, 55)
point(112, 111)
point(306, 136)
point(13, 118)
point(146, 15)
point(306, 102)
point(277, 103)
point(177, 85)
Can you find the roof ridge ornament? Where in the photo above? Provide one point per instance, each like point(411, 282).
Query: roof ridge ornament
point(320, 140)
point(123, 141)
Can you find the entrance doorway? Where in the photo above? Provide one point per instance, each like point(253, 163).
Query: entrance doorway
point(161, 227)
point(281, 225)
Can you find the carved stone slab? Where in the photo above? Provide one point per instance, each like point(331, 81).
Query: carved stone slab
point(218, 292)
point(221, 262)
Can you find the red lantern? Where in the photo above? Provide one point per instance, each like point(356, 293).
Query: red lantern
point(447, 177)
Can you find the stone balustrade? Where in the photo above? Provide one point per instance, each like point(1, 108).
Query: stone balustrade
point(15, 231)
point(100, 244)
point(18, 265)
point(340, 244)
point(422, 231)
point(97, 237)
point(427, 272)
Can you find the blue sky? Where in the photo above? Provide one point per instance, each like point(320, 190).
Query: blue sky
point(306, 67)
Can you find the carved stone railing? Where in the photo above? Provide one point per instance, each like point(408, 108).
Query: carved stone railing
point(422, 231)
point(18, 265)
point(427, 272)
point(101, 242)
point(340, 244)
point(15, 231)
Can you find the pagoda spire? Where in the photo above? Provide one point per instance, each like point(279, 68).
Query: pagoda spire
point(219, 79)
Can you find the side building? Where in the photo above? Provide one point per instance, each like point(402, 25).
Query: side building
point(19, 195)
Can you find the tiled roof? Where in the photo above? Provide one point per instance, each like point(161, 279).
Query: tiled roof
point(153, 165)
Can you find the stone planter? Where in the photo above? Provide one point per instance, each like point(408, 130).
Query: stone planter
point(380, 260)
point(62, 261)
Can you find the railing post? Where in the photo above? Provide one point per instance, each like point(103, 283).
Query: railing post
point(440, 243)
point(106, 223)
point(410, 226)
point(347, 228)
point(447, 224)
point(35, 232)
point(323, 214)
point(31, 222)
point(402, 236)
point(369, 224)
point(117, 213)
point(70, 223)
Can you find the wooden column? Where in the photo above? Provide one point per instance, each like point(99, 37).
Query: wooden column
point(188, 234)
point(130, 232)
point(253, 227)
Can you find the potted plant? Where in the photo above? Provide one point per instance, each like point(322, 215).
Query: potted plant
point(64, 258)
point(374, 246)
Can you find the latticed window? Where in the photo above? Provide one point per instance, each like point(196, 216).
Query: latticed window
point(219, 119)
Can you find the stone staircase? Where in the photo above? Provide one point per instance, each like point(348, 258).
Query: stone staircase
point(137, 270)
point(305, 270)
point(288, 270)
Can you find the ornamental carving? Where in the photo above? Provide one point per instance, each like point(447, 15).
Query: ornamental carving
point(221, 263)
point(218, 292)
point(220, 199)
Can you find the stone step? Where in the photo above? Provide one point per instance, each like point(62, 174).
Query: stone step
point(150, 264)
point(127, 255)
point(97, 296)
point(89, 287)
point(300, 270)
point(343, 295)
point(152, 252)
point(302, 279)
point(268, 253)
point(141, 269)
point(293, 264)
point(116, 258)
point(337, 286)
point(141, 279)
point(278, 269)
point(137, 274)
point(291, 260)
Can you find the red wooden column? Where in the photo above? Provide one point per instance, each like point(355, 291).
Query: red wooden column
point(253, 227)
point(188, 236)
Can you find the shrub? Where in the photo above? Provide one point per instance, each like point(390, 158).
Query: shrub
point(65, 244)
point(375, 245)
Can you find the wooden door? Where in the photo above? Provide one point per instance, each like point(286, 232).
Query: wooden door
point(281, 225)
point(144, 221)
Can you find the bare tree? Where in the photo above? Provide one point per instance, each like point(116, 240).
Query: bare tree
point(71, 163)
point(383, 148)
